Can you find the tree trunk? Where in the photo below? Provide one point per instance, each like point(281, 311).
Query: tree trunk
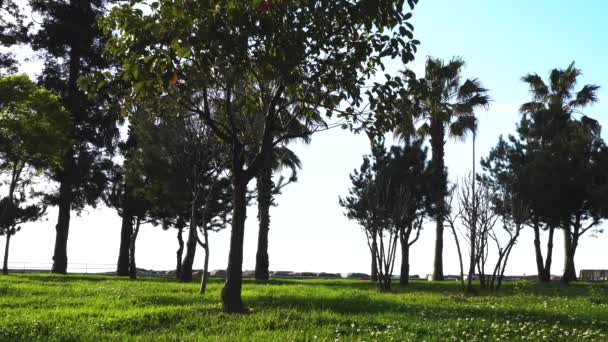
point(180, 252)
point(569, 270)
point(264, 187)
point(186, 275)
point(549, 260)
point(5, 264)
point(126, 230)
point(231, 293)
point(205, 276)
point(539, 254)
point(405, 260)
point(472, 260)
point(132, 266)
point(374, 275)
point(60, 256)
point(439, 192)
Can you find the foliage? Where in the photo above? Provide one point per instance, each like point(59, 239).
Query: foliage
point(554, 166)
point(389, 201)
point(33, 124)
point(13, 31)
point(70, 43)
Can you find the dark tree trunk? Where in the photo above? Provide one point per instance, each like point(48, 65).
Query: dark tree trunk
point(569, 250)
point(126, 230)
point(540, 267)
point(439, 192)
point(404, 277)
point(264, 187)
point(231, 293)
point(132, 240)
point(180, 252)
point(186, 275)
point(5, 264)
point(549, 260)
point(374, 275)
point(60, 256)
point(205, 276)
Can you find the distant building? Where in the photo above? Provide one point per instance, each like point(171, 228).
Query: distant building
point(593, 275)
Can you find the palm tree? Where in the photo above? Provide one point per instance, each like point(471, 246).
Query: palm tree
point(439, 103)
point(549, 125)
point(281, 158)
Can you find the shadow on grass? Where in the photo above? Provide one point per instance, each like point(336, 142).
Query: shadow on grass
point(362, 305)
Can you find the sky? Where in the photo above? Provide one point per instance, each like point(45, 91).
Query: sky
point(501, 41)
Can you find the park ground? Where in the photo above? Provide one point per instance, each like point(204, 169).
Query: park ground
point(89, 307)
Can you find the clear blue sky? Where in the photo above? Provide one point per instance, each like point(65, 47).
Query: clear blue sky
point(500, 40)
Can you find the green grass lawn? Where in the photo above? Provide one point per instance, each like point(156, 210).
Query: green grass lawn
point(86, 307)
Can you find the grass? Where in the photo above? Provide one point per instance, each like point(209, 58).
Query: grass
point(87, 307)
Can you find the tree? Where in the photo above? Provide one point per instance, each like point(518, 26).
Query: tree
point(285, 59)
point(409, 200)
point(453, 214)
point(442, 103)
point(13, 216)
point(563, 148)
point(71, 44)
point(13, 31)
point(388, 199)
point(180, 171)
point(478, 218)
point(357, 207)
point(33, 136)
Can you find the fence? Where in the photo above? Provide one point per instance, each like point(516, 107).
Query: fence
point(73, 267)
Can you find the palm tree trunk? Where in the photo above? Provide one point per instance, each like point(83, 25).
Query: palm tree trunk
point(264, 187)
point(439, 191)
point(5, 264)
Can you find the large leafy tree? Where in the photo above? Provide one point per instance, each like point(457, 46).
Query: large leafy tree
point(229, 61)
point(33, 137)
point(71, 43)
point(440, 104)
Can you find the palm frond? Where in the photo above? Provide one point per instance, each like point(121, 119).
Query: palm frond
point(531, 107)
point(585, 96)
point(538, 88)
point(459, 129)
point(591, 125)
point(285, 158)
point(424, 130)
